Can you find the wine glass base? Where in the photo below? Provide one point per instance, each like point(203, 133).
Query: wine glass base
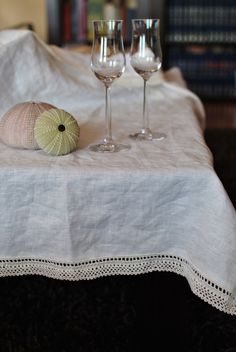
point(158, 136)
point(108, 147)
point(140, 136)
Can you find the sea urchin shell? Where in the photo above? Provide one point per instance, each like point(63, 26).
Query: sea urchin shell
point(17, 125)
point(57, 132)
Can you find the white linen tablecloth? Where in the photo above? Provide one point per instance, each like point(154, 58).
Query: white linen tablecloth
point(158, 206)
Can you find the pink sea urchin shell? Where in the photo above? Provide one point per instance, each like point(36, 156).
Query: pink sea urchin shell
point(17, 125)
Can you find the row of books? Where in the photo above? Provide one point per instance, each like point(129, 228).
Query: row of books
point(208, 71)
point(77, 17)
point(201, 36)
point(198, 28)
point(202, 15)
point(209, 75)
point(209, 91)
point(201, 22)
point(201, 3)
point(198, 56)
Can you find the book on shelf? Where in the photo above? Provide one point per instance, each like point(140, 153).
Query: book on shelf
point(54, 21)
point(81, 25)
point(130, 13)
point(66, 21)
point(95, 12)
point(70, 21)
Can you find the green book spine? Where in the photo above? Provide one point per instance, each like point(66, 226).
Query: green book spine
point(95, 12)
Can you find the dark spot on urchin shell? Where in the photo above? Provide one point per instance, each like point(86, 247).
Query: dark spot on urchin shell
point(61, 128)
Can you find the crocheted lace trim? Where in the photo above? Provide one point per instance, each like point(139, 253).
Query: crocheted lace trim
point(208, 291)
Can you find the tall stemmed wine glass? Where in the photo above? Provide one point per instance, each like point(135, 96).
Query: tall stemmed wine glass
point(108, 63)
point(146, 58)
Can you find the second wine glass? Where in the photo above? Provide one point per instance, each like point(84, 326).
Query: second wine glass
point(146, 58)
point(108, 63)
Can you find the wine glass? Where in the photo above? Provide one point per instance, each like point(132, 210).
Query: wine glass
point(146, 58)
point(108, 63)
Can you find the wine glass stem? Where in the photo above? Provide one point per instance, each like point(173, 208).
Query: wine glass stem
point(108, 137)
point(145, 108)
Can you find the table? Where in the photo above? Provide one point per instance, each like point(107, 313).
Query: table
point(158, 207)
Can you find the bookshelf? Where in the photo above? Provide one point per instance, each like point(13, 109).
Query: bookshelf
point(69, 21)
point(200, 38)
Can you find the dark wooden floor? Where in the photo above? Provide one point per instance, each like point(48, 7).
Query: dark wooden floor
point(220, 115)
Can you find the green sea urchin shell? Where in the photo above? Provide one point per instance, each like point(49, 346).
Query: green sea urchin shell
point(57, 132)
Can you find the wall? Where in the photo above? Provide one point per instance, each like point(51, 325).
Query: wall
point(13, 12)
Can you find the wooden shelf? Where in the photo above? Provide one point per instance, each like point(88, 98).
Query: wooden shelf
point(220, 115)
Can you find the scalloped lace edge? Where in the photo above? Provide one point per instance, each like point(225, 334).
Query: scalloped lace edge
point(208, 291)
